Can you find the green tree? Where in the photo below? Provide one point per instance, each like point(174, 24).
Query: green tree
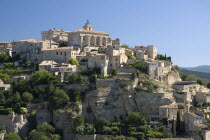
point(56, 137)
point(201, 82)
point(150, 88)
point(139, 65)
point(178, 122)
point(75, 96)
point(125, 46)
point(191, 78)
point(131, 56)
point(27, 97)
point(37, 135)
point(89, 129)
point(45, 127)
point(8, 65)
point(12, 136)
point(16, 98)
point(73, 78)
point(106, 130)
point(208, 85)
point(4, 57)
point(80, 130)
point(100, 124)
point(5, 78)
point(42, 77)
point(135, 119)
point(173, 128)
point(78, 121)
point(2, 98)
point(73, 61)
point(23, 85)
point(114, 72)
point(59, 99)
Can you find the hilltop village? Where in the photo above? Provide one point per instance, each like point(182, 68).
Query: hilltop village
point(83, 85)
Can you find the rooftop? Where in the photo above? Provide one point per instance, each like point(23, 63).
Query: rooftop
point(91, 31)
point(186, 83)
point(61, 48)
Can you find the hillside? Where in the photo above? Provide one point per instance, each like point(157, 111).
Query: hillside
point(202, 75)
point(203, 68)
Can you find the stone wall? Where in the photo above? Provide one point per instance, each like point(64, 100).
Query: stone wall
point(126, 70)
point(14, 123)
point(76, 87)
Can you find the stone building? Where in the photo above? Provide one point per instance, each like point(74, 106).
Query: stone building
point(117, 60)
point(89, 37)
point(149, 52)
point(194, 123)
point(187, 86)
point(55, 67)
point(55, 35)
point(202, 97)
point(4, 86)
point(99, 61)
point(30, 49)
point(59, 55)
point(169, 111)
point(6, 47)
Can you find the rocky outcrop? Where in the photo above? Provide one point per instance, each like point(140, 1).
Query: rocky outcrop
point(113, 99)
point(14, 123)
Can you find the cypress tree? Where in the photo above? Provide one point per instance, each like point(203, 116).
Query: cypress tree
point(178, 123)
point(173, 130)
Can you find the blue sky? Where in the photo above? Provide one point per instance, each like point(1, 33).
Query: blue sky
point(179, 28)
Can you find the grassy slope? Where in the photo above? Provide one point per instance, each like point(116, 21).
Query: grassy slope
point(202, 75)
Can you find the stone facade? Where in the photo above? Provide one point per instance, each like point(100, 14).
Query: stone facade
point(202, 97)
point(187, 86)
point(30, 49)
point(55, 35)
point(4, 86)
point(59, 55)
point(149, 52)
point(88, 37)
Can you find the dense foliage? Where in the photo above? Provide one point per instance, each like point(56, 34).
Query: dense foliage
point(73, 61)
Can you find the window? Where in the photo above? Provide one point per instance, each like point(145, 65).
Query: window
point(116, 64)
point(56, 53)
point(61, 53)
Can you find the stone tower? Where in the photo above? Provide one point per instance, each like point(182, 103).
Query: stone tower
point(88, 26)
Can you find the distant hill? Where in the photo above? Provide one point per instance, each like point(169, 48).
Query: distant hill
point(202, 75)
point(203, 68)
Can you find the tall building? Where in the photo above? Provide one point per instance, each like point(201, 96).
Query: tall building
point(89, 37)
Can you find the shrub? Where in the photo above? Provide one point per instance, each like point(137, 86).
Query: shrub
point(42, 77)
point(80, 130)
point(5, 111)
point(114, 72)
point(59, 99)
point(106, 130)
point(135, 119)
point(12, 136)
point(27, 97)
point(23, 110)
point(131, 56)
point(73, 61)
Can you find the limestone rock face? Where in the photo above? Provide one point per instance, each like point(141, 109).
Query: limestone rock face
point(172, 77)
point(148, 103)
point(112, 100)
